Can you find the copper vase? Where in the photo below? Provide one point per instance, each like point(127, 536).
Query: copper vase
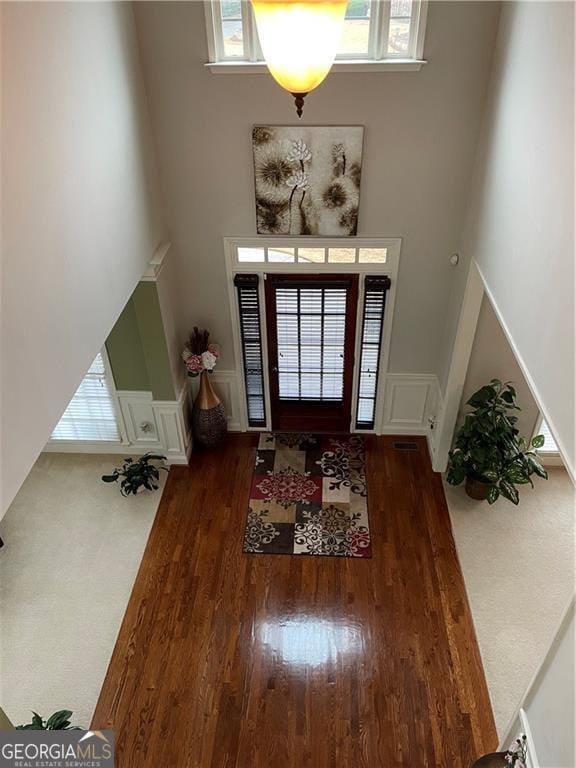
point(208, 416)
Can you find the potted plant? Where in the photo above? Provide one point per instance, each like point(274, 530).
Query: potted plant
point(208, 416)
point(489, 453)
point(137, 475)
point(59, 721)
point(515, 756)
point(517, 753)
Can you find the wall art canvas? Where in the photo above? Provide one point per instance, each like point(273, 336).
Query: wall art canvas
point(307, 179)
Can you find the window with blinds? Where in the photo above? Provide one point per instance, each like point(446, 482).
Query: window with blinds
point(91, 414)
point(549, 441)
point(375, 289)
point(311, 325)
point(251, 334)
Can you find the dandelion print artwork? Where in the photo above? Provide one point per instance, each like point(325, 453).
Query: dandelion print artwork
point(307, 179)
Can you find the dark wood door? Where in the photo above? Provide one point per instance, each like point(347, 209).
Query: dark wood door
point(311, 326)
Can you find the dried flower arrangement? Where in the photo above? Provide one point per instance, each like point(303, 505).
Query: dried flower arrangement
point(198, 354)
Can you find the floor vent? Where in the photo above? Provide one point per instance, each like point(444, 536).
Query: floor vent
point(405, 446)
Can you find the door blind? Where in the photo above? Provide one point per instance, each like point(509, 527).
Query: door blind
point(91, 415)
point(251, 334)
point(311, 327)
point(371, 342)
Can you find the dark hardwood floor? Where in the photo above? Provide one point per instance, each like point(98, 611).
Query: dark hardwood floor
point(267, 661)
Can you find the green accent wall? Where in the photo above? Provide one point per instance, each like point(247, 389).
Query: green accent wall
point(137, 346)
point(149, 315)
point(124, 347)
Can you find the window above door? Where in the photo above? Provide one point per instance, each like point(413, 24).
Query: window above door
point(377, 35)
point(311, 255)
point(359, 254)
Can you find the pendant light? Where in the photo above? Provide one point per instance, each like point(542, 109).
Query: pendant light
point(299, 39)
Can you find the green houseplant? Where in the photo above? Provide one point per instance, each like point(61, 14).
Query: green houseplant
point(134, 475)
point(59, 721)
point(489, 453)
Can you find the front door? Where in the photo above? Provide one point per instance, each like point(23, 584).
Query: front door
point(311, 322)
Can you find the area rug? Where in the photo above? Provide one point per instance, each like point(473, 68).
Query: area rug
point(308, 497)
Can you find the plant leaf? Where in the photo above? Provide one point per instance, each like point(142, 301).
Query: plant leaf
point(481, 397)
point(509, 491)
point(456, 475)
point(493, 494)
point(537, 441)
point(59, 719)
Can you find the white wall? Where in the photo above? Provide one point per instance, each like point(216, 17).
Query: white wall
point(420, 140)
point(80, 212)
point(520, 224)
point(493, 358)
point(548, 713)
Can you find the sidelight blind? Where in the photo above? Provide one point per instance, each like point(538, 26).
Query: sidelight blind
point(371, 342)
point(311, 325)
point(91, 415)
point(251, 335)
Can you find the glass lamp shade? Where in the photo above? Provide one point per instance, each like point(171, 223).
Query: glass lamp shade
point(299, 39)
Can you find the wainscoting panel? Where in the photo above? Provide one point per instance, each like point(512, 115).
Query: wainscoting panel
point(139, 418)
point(172, 436)
point(409, 401)
point(410, 404)
point(173, 420)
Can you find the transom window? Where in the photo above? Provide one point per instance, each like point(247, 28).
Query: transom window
point(314, 255)
point(375, 31)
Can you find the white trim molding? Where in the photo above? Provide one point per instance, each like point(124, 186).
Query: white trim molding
point(461, 352)
point(156, 264)
point(232, 67)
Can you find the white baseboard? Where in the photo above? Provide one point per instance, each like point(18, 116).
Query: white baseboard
point(550, 459)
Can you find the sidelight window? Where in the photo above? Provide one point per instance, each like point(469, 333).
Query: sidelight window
point(375, 289)
point(251, 333)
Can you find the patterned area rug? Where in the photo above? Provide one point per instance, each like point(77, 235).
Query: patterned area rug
point(308, 497)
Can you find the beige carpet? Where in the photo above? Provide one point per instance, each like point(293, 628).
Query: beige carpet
point(72, 550)
point(518, 565)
